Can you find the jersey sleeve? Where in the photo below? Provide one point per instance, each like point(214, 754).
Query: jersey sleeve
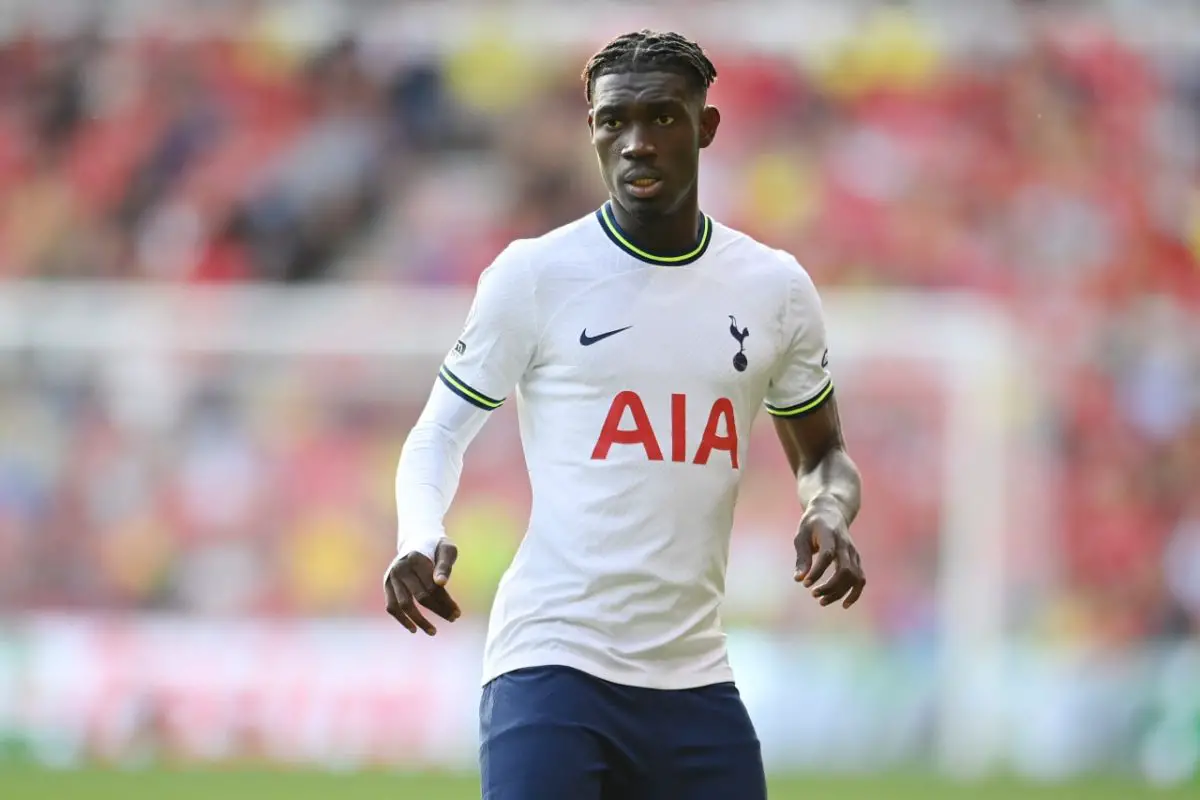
point(498, 339)
point(802, 382)
point(430, 467)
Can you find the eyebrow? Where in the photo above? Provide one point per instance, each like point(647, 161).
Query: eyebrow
point(614, 106)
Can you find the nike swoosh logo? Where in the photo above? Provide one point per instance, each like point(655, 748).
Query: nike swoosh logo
point(586, 340)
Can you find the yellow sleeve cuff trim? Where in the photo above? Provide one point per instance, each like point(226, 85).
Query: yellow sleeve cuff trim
point(460, 388)
point(807, 407)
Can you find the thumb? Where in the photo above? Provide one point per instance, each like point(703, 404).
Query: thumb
point(804, 552)
point(443, 561)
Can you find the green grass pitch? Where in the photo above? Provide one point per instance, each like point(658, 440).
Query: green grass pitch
point(24, 783)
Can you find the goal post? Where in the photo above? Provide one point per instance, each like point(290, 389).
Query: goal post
point(975, 349)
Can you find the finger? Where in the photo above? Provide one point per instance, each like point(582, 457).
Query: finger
point(388, 592)
point(847, 566)
point(417, 585)
point(855, 593)
point(823, 560)
point(416, 570)
point(846, 576)
point(413, 580)
point(804, 556)
point(397, 613)
point(441, 603)
point(396, 597)
point(835, 588)
point(399, 616)
point(414, 613)
point(444, 558)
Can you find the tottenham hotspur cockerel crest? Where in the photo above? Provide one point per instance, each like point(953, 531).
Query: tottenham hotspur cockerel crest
point(739, 359)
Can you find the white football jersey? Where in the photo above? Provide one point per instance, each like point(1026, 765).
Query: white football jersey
point(638, 377)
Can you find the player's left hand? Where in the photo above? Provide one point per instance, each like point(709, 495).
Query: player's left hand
point(824, 540)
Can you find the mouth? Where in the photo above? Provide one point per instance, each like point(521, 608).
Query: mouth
point(644, 187)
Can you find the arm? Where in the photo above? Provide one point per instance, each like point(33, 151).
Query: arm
point(430, 467)
point(830, 488)
point(805, 412)
point(816, 452)
point(426, 481)
point(492, 355)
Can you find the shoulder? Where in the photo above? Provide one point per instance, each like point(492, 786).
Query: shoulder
point(563, 244)
point(754, 259)
point(531, 272)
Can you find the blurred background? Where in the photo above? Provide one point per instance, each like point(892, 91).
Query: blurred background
point(238, 236)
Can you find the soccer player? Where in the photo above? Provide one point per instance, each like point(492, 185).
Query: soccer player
point(641, 340)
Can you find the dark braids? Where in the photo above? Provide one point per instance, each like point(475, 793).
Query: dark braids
point(646, 50)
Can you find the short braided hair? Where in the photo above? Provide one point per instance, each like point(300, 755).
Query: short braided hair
point(646, 50)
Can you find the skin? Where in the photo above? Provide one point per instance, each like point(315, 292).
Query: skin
point(831, 490)
point(657, 122)
point(652, 122)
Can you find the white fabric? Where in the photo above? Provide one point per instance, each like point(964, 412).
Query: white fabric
point(622, 571)
point(430, 467)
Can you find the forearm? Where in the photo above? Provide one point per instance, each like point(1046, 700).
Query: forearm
point(833, 480)
point(429, 469)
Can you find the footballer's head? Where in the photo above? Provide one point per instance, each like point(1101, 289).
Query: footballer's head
point(649, 117)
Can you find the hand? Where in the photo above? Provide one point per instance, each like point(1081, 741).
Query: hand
point(823, 539)
point(413, 579)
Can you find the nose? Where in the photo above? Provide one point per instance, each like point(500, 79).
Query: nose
point(638, 145)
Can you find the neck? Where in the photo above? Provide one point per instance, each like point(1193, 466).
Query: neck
point(673, 232)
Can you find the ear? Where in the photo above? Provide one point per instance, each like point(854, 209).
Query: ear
point(710, 120)
point(591, 119)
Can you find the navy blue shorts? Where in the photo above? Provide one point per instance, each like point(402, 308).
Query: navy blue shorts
point(554, 733)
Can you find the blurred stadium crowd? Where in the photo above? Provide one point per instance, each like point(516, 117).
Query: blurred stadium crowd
point(1061, 177)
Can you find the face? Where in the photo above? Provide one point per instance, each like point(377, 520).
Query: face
point(648, 129)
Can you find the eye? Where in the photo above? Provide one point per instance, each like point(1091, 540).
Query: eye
point(664, 120)
point(611, 124)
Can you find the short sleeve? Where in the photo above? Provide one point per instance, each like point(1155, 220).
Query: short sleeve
point(802, 382)
point(497, 342)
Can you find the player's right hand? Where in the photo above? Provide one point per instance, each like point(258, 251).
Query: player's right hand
point(413, 580)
